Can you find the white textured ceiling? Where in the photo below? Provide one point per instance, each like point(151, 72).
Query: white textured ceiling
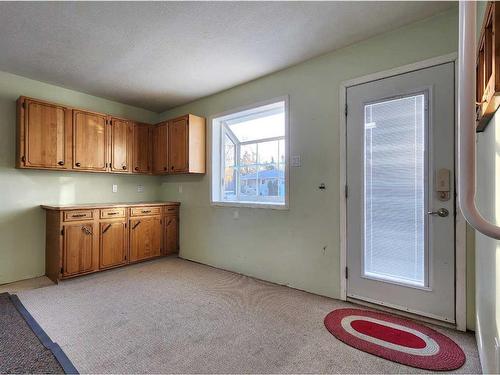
point(157, 55)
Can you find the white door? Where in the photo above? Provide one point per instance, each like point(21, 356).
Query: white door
point(401, 198)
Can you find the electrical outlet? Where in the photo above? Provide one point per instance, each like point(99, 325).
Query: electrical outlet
point(140, 188)
point(115, 188)
point(296, 161)
point(180, 189)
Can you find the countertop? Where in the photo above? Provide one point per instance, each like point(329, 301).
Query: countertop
point(88, 206)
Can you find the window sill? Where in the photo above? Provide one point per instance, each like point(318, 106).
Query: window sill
point(251, 205)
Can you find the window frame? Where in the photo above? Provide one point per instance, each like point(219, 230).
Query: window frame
point(217, 160)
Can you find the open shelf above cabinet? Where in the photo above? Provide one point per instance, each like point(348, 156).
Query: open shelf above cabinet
point(488, 67)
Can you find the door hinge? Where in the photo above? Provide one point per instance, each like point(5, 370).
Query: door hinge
point(345, 110)
point(62, 232)
point(346, 191)
point(346, 273)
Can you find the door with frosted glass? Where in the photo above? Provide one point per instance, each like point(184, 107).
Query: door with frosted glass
point(401, 198)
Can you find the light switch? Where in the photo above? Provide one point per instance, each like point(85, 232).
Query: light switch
point(140, 188)
point(180, 189)
point(236, 214)
point(115, 188)
point(296, 161)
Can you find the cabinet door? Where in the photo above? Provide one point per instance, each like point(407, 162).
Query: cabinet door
point(45, 136)
point(89, 141)
point(178, 147)
point(113, 244)
point(145, 238)
point(160, 148)
point(142, 148)
point(79, 249)
point(171, 234)
point(121, 145)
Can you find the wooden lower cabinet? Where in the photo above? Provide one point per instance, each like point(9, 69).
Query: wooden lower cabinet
point(171, 241)
point(145, 238)
point(113, 244)
point(86, 238)
point(80, 248)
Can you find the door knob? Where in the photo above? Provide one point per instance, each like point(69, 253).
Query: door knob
point(442, 212)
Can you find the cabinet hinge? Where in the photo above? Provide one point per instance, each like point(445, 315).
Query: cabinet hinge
point(62, 232)
point(346, 191)
point(345, 110)
point(346, 273)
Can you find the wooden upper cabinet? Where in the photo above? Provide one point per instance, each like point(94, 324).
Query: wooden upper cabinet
point(121, 145)
point(52, 136)
point(142, 148)
point(90, 141)
point(186, 144)
point(160, 148)
point(44, 135)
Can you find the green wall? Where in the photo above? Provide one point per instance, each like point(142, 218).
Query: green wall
point(298, 247)
point(22, 221)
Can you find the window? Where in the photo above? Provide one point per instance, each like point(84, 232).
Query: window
point(250, 158)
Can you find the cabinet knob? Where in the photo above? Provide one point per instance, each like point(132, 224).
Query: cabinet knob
point(136, 168)
point(172, 167)
point(77, 164)
point(61, 162)
point(124, 167)
point(165, 168)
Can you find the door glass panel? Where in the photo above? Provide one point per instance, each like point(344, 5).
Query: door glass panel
point(395, 190)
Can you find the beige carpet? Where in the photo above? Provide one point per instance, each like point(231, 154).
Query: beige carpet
point(176, 316)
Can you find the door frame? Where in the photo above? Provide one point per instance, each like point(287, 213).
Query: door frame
point(460, 223)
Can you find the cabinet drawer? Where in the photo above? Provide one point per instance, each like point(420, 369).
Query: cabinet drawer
point(171, 210)
point(78, 215)
point(145, 211)
point(109, 213)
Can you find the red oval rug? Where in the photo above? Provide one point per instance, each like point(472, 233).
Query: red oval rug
point(395, 339)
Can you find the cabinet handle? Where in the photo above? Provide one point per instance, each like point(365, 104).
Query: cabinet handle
point(77, 164)
point(146, 211)
point(78, 215)
point(60, 162)
point(172, 167)
point(86, 230)
point(169, 222)
point(136, 224)
point(165, 168)
point(112, 213)
point(124, 167)
point(106, 229)
point(136, 168)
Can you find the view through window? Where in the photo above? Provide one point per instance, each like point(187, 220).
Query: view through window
point(253, 159)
